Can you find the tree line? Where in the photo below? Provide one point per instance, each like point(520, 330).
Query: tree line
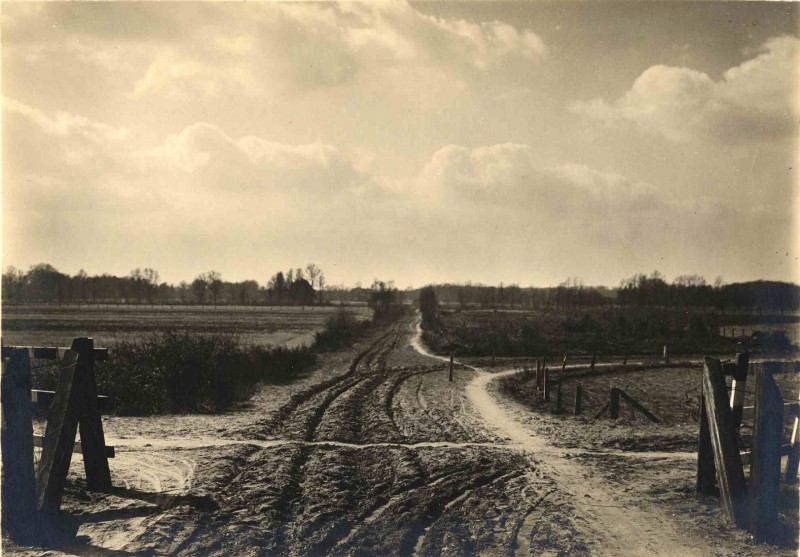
point(44, 283)
point(640, 290)
point(307, 285)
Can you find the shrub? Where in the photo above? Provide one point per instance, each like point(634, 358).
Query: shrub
point(183, 372)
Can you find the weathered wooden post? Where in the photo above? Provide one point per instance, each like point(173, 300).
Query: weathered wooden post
point(765, 462)
point(578, 399)
point(594, 358)
point(666, 354)
point(738, 385)
point(19, 485)
point(450, 378)
point(706, 471)
point(59, 437)
point(539, 376)
point(625, 358)
point(546, 383)
point(613, 408)
point(93, 442)
point(794, 449)
point(559, 400)
point(725, 446)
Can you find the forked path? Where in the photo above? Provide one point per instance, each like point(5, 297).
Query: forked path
point(620, 524)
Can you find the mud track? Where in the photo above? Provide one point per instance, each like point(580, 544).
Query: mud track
point(387, 457)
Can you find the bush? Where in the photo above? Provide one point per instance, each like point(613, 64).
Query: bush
point(182, 372)
point(340, 329)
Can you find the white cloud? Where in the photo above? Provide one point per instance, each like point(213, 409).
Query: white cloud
point(508, 177)
point(302, 47)
point(754, 101)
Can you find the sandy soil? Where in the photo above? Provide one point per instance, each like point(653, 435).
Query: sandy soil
point(375, 452)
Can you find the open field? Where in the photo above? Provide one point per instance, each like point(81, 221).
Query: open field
point(54, 325)
point(375, 452)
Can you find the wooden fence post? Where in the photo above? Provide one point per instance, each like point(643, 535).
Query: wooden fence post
point(578, 399)
point(450, 378)
point(19, 484)
point(546, 383)
point(59, 437)
point(613, 407)
point(666, 354)
point(738, 385)
point(765, 462)
point(706, 471)
point(727, 460)
point(594, 358)
point(625, 358)
point(539, 376)
point(794, 451)
point(559, 400)
point(564, 363)
point(93, 442)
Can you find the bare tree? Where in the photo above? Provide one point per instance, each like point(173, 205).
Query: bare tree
point(321, 285)
point(312, 271)
point(214, 284)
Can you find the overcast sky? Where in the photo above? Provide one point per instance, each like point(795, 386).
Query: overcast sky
point(491, 142)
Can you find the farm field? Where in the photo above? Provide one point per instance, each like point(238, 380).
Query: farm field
point(53, 325)
point(376, 452)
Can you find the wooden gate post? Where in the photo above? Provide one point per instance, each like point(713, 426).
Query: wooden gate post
point(738, 385)
point(59, 437)
point(727, 460)
point(19, 484)
point(765, 462)
point(93, 442)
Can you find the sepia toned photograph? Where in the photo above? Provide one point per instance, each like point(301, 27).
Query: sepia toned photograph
point(475, 278)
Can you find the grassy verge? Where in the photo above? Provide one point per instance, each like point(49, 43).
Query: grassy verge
point(182, 372)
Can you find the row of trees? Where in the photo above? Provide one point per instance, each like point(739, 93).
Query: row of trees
point(640, 290)
point(44, 283)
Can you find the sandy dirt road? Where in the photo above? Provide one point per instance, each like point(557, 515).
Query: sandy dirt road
point(375, 453)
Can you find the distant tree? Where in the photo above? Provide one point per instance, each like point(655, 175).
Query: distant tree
point(199, 286)
point(312, 272)
point(301, 292)
point(383, 299)
point(150, 281)
point(321, 287)
point(428, 306)
point(277, 286)
point(214, 280)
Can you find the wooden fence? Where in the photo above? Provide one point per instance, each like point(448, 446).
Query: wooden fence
point(749, 504)
point(74, 406)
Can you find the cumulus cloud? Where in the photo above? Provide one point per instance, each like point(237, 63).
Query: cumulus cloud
point(757, 100)
point(205, 156)
point(507, 176)
point(311, 46)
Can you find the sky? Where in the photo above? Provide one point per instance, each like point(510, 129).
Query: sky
point(427, 142)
